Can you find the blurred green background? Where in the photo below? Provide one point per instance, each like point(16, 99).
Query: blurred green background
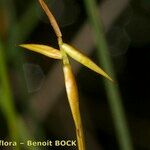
point(33, 102)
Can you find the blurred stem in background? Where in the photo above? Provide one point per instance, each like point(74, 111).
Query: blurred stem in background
point(112, 89)
point(9, 51)
point(16, 126)
point(20, 30)
point(17, 34)
point(6, 100)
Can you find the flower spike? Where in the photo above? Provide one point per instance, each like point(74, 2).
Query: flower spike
point(84, 60)
point(43, 49)
point(73, 98)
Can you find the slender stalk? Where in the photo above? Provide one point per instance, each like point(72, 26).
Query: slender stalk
point(73, 98)
point(51, 18)
point(70, 83)
point(112, 90)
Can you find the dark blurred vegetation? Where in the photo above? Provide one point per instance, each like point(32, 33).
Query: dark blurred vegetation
point(36, 97)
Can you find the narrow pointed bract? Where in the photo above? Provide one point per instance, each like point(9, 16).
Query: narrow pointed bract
point(43, 49)
point(73, 98)
point(84, 60)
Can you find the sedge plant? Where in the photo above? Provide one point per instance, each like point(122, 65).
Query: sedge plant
point(62, 54)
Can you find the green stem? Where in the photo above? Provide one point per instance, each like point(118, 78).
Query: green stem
point(16, 126)
point(6, 101)
point(112, 90)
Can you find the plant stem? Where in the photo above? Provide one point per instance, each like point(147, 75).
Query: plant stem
point(16, 126)
point(112, 90)
point(73, 98)
point(6, 101)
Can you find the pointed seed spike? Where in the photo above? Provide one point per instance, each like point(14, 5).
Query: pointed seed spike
point(43, 49)
point(84, 60)
point(72, 93)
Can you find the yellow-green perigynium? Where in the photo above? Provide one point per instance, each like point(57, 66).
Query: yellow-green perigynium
point(70, 83)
